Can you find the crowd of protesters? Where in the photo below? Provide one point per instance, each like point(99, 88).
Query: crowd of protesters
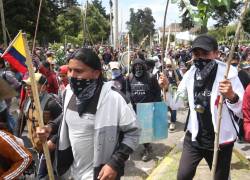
point(89, 107)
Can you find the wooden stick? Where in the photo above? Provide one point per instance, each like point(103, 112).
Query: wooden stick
point(128, 54)
point(217, 131)
point(38, 106)
point(3, 24)
point(163, 46)
point(37, 22)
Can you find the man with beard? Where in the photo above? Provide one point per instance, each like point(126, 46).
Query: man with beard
point(202, 84)
point(143, 87)
point(99, 128)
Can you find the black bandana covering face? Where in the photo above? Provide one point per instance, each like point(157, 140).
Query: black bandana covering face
point(203, 72)
point(138, 70)
point(84, 90)
point(200, 63)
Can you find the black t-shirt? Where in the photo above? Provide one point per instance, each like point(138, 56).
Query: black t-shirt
point(145, 89)
point(205, 136)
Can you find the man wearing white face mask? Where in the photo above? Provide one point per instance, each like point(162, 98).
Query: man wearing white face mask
point(117, 77)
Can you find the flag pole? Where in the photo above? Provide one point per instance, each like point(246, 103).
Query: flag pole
point(217, 130)
point(12, 42)
point(37, 105)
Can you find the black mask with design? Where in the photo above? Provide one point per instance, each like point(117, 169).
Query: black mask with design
point(200, 63)
point(84, 90)
point(80, 85)
point(139, 70)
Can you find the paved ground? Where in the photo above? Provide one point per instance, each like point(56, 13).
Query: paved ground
point(137, 169)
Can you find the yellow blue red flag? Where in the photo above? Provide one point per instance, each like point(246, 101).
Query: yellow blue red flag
point(15, 54)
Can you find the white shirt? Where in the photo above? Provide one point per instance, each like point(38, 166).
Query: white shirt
point(81, 136)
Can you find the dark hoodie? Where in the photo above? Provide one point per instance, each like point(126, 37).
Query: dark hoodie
point(145, 88)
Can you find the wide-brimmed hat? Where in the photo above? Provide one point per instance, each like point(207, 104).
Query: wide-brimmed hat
point(39, 78)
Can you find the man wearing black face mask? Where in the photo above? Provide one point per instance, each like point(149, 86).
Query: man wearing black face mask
point(99, 128)
point(143, 87)
point(202, 84)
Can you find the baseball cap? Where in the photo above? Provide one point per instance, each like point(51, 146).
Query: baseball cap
point(205, 42)
point(63, 69)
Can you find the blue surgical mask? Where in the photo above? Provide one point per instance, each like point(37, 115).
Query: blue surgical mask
point(116, 73)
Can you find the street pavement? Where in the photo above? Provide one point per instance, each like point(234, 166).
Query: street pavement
point(167, 154)
point(136, 169)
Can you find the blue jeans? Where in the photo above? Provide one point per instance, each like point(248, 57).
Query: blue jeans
point(11, 123)
point(173, 115)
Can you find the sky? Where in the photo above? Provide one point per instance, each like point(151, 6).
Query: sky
point(157, 7)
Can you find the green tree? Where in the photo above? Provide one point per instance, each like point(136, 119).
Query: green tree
point(67, 3)
point(224, 11)
point(69, 22)
point(97, 25)
point(22, 15)
point(186, 19)
point(226, 14)
point(141, 24)
point(102, 10)
point(246, 22)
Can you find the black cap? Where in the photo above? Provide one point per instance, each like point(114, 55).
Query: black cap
point(205, 42)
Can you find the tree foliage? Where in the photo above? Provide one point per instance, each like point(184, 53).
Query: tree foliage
point(58, 19)
point(141, 23)
point(223, 33)
point(97, 25)
point(186, 19)
point(246, 22)
point(102, 10)
point(22, 15)
point(223, 11)
point(69, 22)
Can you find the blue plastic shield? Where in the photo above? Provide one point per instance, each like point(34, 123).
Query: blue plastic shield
point(154, 121)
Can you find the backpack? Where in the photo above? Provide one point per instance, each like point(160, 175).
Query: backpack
point(32, 124)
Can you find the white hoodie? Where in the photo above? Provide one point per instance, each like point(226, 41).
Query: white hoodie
point(227, 131)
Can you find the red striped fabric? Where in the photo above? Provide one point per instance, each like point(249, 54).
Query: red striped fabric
point(15, 63)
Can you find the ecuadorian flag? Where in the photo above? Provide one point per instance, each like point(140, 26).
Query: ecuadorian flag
point(15, 54)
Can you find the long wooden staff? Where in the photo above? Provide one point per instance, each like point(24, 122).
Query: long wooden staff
point(217, 132)
point(37, 105)
point(163, 46)
point(171, 60)
point(37, 22)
